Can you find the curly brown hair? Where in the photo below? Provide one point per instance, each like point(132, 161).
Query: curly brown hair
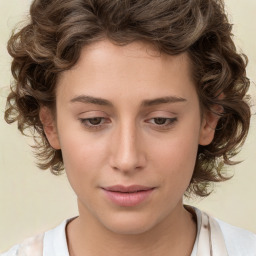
point(59, 29)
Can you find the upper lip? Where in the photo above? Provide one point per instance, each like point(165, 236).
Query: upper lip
point(132, 188)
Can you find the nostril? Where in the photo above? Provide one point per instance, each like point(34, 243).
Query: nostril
point(126, 155)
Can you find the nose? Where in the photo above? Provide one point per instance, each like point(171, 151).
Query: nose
point(127, 153)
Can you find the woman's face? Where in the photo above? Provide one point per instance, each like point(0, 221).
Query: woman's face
point(128, 125)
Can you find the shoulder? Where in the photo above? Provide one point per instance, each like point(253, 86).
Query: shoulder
point(52, 242)
point(238, 241)
point(234, 240)
point(30, 246)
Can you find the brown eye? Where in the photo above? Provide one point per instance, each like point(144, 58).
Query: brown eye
point(95, 120)
point(160, 120)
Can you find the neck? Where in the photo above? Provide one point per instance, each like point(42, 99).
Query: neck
point(175, 235)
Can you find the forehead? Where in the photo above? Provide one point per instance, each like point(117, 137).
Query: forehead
point(137, 69)
point(105, 53)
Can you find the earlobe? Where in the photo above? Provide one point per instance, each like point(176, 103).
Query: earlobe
point(208, 126)
point(49, 126)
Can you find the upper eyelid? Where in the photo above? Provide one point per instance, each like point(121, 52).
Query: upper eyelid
point(162, 111)
point(146, 116)
point(93, 113)
point(167, 115)
point(146, 112)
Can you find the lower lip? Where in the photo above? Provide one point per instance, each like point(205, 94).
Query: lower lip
point(128, 199)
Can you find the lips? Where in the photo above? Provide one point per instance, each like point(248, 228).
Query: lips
point(129, 189)
point(128, 196)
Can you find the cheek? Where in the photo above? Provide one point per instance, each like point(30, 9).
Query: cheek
point(85, 156)
point(175, 157)
point(82, 158)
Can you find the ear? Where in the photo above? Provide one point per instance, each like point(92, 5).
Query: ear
point(208, 126)
point(50, 127)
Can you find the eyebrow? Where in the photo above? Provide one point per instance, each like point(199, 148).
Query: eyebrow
point(92, 100)
point(162, 100)
point(145, 103)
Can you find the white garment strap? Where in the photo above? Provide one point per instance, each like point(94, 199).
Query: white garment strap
point(31, 246)
point(204, 242)
point(211, 240)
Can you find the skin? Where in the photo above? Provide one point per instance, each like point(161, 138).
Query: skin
point(133, 140)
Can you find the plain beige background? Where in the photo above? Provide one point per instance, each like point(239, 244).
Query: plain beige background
point(32, 201)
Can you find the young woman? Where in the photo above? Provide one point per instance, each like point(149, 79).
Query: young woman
point(141, 102)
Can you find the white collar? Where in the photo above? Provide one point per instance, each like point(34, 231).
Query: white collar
point(208, 230)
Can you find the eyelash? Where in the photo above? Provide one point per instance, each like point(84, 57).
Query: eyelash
point(85, 122)
point(170, 122)
point(88, 125)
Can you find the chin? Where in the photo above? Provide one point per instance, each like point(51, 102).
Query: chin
point(129, 229)
point(130, 225)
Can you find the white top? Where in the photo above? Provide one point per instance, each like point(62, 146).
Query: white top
point(214, 238)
